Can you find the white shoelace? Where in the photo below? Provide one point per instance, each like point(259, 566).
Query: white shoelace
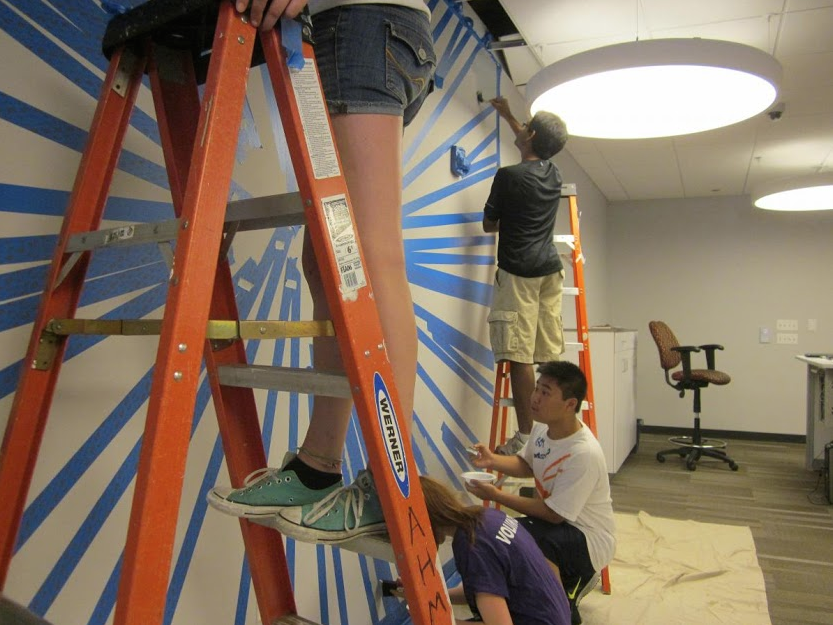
point(354, 497)
point(259, 474)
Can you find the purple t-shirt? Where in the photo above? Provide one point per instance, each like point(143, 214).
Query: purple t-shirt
point(505, 561)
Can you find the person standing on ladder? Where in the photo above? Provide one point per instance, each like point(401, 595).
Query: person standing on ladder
point(376, 62)
point(525, 321)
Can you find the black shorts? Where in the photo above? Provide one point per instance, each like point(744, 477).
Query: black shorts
point(565, 546)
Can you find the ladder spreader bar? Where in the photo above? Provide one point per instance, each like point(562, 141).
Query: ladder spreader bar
point(273, 211)
point(217, 328)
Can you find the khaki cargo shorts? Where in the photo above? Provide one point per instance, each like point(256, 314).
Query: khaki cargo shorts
point(525, 322)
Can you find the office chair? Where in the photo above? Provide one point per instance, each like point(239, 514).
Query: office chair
point(671, 354)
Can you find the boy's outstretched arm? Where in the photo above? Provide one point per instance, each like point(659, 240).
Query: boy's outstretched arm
point(527, 506)
point(514, 466)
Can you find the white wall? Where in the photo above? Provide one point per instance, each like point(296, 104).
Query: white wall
point(78, 504)
point(716, 270)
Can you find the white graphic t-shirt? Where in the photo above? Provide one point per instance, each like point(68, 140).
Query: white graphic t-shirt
point(571, 477)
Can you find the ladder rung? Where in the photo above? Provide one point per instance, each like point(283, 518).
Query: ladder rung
point(570, 290)
point(579, 347)
point(290, 379)
point(564, 238)
point(293, 620)
point(217, 328)
point(273, 211)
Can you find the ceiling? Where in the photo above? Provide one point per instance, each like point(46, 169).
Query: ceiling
point(729, 161)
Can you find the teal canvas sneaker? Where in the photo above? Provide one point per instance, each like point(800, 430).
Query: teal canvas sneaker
point(343, 515)
point(267, 492)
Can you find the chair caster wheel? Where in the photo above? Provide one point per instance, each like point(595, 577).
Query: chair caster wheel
point(733, 466)
point(660, 458)
point(691, 465)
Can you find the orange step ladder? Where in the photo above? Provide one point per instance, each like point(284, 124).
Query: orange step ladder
point(169, 40)
point(502, 396)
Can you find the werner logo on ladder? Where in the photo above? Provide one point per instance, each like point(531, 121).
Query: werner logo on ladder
point(169, 40)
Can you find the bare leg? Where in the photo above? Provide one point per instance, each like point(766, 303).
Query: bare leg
point(370, 147)
point(522, 377)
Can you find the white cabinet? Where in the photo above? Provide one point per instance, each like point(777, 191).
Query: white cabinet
point(613, 363)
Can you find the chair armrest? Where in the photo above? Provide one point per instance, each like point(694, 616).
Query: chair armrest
point(685, 352)
point(710, 349)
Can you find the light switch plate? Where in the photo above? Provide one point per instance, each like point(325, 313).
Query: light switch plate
point(764, 335)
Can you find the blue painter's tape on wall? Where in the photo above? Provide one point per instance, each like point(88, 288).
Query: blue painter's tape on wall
point(113, 8)
point(460, 165)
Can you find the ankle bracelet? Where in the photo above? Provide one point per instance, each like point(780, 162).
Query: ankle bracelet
point(330, 463)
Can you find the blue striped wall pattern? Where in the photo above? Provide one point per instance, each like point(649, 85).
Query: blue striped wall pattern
point(68, 554)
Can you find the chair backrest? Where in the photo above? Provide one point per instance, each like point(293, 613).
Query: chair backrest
point(665, 340)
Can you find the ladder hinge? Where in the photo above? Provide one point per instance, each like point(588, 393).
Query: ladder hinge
point(47, 350)
point(127, 64)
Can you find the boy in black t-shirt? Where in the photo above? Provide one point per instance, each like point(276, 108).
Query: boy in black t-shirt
point(525, 321)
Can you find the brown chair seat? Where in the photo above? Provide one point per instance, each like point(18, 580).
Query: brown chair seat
point(703, 375)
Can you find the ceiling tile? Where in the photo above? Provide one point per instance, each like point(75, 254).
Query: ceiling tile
point(601, 174)
point(806, 31)
point(714, 169)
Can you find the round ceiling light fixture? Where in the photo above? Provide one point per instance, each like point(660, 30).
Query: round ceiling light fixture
point(813, 192)
point(656, 88)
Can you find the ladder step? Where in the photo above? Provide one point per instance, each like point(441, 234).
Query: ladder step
point(272, 211)
point(508, 402)
point(570, 290)
point(217, 328)
point(290, 379)
point(579, 347)
point(376, 546)
point(293, 620)
point(564, 238)
point(13, 613)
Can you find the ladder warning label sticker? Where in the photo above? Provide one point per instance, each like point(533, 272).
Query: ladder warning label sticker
point(343, 241)
point(389, 427)
point(311, 108)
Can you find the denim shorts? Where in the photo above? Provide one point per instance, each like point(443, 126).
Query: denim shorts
point(374, 58)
